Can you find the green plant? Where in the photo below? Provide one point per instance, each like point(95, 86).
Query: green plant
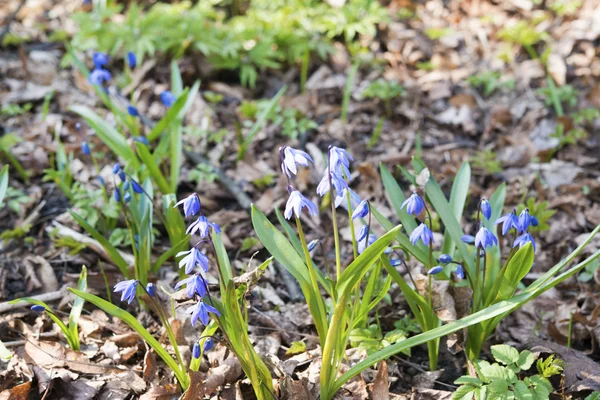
point(487, 161)
point(202, 173)
point(501, 379)
point(372, 340)
point(540, 211)
point(70, 330)
point(384, 91)
point(566, 94)
point(3, 183)
point(13, 110)
point(491, 81)
point(589, 272)
point(565, 7)
point(525, 34)
point(15, 198)
point(7, 142)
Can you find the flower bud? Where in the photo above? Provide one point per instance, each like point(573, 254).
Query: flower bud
point(435, 270)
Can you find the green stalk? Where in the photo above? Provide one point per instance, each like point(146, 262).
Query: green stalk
point(304, 70)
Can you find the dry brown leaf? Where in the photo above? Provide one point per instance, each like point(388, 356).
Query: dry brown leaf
point(149, 366)
point(20, 392)
point(160, 393)
point(380, 389)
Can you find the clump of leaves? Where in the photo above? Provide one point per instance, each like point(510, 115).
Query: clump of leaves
point(292, 121)
point(12, 110)
point(540, 211)
point(487, 161)
point(371, 339)
point(565, 138)
point(525, 34)
point(566, 94)
point(384, 90)
point(490, 81)
point(589, 271)
point(15, 198)
point(565, 7)
point(500, 380)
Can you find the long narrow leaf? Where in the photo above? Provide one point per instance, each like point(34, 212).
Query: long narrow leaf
point(78, 306)
point(3, 183)
point(458, 198)
point(396, 198)
point(153, 169)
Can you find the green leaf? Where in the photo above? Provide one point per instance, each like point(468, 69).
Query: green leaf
point(505, 354)
point(518, 266)
point(522, 392)
point(3, 183)
point(526, 359)
point(78, 306)
point(170, 116)
point(296, 348)
point(468, 380)
point(495, 371)
point(396, 198)
point(5, 354)
point(498, 387)
point(136, 326)
point(112, 252)
point(593, 396)
point(458, 198)
point(109, 135)
point(464, 393)
point(223, 258)
point(150, 163)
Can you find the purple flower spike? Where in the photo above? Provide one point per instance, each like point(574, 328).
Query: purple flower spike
point(296, 203)
point(202, 226)
point(414, 204)
point(128, 288)
point(485, 238)
point(167, 98)
point(421, 232)
point(193, 258)
point(486, 209)
point(200, 312)
point(196, 351)
point(191, 205)
point(524, 239)
point(195, 284)
point(508, 222)
point(361, 211)
point(291, 157)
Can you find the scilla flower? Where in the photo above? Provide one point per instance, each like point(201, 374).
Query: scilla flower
point(200, 312)
point(131, 110)
point(151, 289)
point(131, 59)
point(312, 244)
point(445, 258)
point(340, 161)
point(195, 284)
point(291, 157)
point(85, 148)
point(99, 76)
point(191, 205)
point(342, 199)
point(196, 350)
point(363, 242)
point(421, 232)
point(193, 258)
point(486, 209)
point(208, 344)
point(336, 179)
point(136, 187)
point(524, 220)
point(460, 272)
point(126, 186)
point(485, 238)
point(508, 222)
point(361, 210)
point(128, 288)
point(435, 270)
point(202, 226)
point(523, 240)
point(38, 308)
point(116, 168)
point(296, 203)
point(127, 197)
point(117, 195)
point(167, 98)
point(141, 139)
point(414, 204)
point(100, 59)
point(468, 239)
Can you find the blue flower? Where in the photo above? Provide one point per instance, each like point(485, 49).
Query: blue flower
point(151, 289)
point(468, 239)
point(363, 242)
point(296, 203)
point(193, 258)
point(291, 157)
point(202, 226)
point(126, 186)
point(136, 187)
point(312, 244)
point(131, 59)
point(486, 209)
point(99, 76)
point(534, 221)
point(196, 350)
point(38, 308)
point(339, 160)
point(122, 175)
point(117, 195)
point(445, 258)
point(208, 344)
point(485, 238)
point(200, 312)
point(362, 233)
point(396, 262)
point(342, 199)
point(191, 205)
point(523, 240)
point(101, 180)
point(435, 270)
point(141, 139)
point(116, 168)
point(421, 232)
point(85, 148)
point(127, 197)
point(460, 272)
point(100, 59)
point(167, 98)
point(131, 110)
point(336, 179)
point(508, 222)
point(128, 288)
point(414, 204)
point(361, 211)
point(524, 220)
point(195, 284)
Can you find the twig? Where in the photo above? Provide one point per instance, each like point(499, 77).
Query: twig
point(62, 230)
point(45, 297)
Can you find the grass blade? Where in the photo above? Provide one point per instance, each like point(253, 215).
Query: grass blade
point(3, 183)
point(78, 305)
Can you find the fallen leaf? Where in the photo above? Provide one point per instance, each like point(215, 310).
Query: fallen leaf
point(380, 384)
point(20, 392)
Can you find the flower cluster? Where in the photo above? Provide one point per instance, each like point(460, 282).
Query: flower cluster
point(129, 185)
point(290, 158)
point(100, 74)
point(521, 226)
point(195, 283)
